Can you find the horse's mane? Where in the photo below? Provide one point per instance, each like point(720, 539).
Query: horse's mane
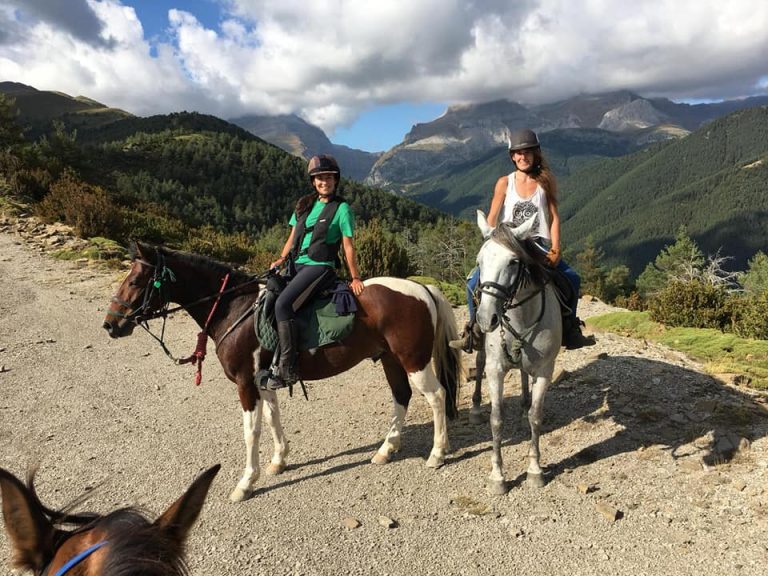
point(534, 260)
point(131, 535)
point(139, 548)
point(196, 261)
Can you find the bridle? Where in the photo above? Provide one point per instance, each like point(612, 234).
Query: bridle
point(507, 296)
point(157, 285)
point(76, 559)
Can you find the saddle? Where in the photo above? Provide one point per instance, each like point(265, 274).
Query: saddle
point(327, 318)
point(563, 289)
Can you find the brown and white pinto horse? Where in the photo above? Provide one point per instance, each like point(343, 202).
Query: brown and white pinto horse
point(403, 324)
point(120, 543)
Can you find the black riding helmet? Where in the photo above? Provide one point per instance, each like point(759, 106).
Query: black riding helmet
point(523, 139)
point(323, 164)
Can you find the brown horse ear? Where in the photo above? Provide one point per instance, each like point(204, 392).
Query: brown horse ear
point(142, 249)
point(30, 531)
point(182, 514)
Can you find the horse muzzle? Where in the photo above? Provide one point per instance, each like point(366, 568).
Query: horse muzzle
point(488, 320)
point(117, 329)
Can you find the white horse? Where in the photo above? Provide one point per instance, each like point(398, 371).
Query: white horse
point(520, 315)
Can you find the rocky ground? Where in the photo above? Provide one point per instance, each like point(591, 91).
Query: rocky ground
point(654, 467)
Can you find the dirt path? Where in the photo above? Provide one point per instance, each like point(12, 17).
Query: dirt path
point(633, 431)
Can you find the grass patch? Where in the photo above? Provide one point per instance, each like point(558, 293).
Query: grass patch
point(104, 251)
point(454, 293)
point(720, 352)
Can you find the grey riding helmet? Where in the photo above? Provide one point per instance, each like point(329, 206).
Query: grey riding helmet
point(523, 139)
point(323, 164)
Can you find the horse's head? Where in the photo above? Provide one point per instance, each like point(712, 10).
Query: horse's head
point(504, 260)
point(123, 542)
point(142, 292)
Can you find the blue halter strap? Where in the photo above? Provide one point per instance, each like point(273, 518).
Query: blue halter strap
point(75, 560)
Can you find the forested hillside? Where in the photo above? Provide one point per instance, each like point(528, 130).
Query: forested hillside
point(715, 182)
point(187, 180)
point(207, 171)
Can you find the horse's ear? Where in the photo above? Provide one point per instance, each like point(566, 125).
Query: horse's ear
point(525, 230)
point(29, 530)
point(143, 250)
point(482, 223)
point(182, 514)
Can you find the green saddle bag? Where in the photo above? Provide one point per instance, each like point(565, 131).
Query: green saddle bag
point(318, 324)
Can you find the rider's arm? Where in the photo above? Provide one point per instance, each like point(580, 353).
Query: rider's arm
point(349, 255)
point(499, 194)
point(285, 251)
point(554, 232)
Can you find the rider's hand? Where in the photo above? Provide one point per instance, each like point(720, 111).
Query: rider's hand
point(553, 256)
point(277, 263)
point(357, 286)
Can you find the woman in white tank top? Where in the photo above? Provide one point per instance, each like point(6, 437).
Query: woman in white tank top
point(529, 192)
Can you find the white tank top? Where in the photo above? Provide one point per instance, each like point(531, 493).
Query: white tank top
point(517, 210)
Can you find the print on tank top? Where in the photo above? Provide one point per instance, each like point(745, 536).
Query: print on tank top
point(523, 211)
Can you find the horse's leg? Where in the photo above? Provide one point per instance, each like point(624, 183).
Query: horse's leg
point(401, 396)
point(535, 476)
point(427, 383)
point(476, 413)
point(279, 441)
point(495, 377)
point(252, 410)
point(525, 396)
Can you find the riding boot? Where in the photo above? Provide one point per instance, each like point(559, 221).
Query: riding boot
point(469, 338)
point(572, 335)
point(286, 375)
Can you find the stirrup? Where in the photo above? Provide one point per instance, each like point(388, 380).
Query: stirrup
point(275, 381)
point(464, 343)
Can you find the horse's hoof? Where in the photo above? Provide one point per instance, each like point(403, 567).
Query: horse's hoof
point(497, 487)
point(240, 495)
point(476, 417)
point(275, 469)
point(435, 462)
point(535, 480)
point(380, 459)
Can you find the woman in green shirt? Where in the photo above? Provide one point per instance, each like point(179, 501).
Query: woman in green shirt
point(321, 222)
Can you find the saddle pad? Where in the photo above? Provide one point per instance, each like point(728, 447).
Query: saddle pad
point(318, 324)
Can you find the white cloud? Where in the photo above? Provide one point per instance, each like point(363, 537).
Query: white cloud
point(328, 60)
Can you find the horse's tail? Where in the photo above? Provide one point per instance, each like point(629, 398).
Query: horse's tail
point(447, 360)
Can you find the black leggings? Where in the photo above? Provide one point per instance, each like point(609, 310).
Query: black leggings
point(308, 281)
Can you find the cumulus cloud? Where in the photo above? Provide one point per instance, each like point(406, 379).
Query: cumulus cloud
point(75, 17)
point(328, 60)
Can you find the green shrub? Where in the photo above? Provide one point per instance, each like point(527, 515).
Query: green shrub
point(225, 247)
point(692, 304)
point(152, 223)
point(379, 253)
point(633, 302)
point(749, 315)
point(83, 206)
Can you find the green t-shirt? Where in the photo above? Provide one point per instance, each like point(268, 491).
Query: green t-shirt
point(343, 224)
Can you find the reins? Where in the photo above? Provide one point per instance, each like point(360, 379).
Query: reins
point(163, 275)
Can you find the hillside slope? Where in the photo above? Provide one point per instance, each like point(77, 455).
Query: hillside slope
point(713, 182)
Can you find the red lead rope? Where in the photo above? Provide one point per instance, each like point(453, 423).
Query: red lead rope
point(198, 355)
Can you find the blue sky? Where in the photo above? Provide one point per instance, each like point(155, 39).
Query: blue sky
point(365, 72)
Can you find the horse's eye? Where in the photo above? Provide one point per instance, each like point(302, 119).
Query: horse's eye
point(133, 283)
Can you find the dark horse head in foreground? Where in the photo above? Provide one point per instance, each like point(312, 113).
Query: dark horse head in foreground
point(404, 325)
point(122, 543)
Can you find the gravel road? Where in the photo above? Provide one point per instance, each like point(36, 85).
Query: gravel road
point(655, 467)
